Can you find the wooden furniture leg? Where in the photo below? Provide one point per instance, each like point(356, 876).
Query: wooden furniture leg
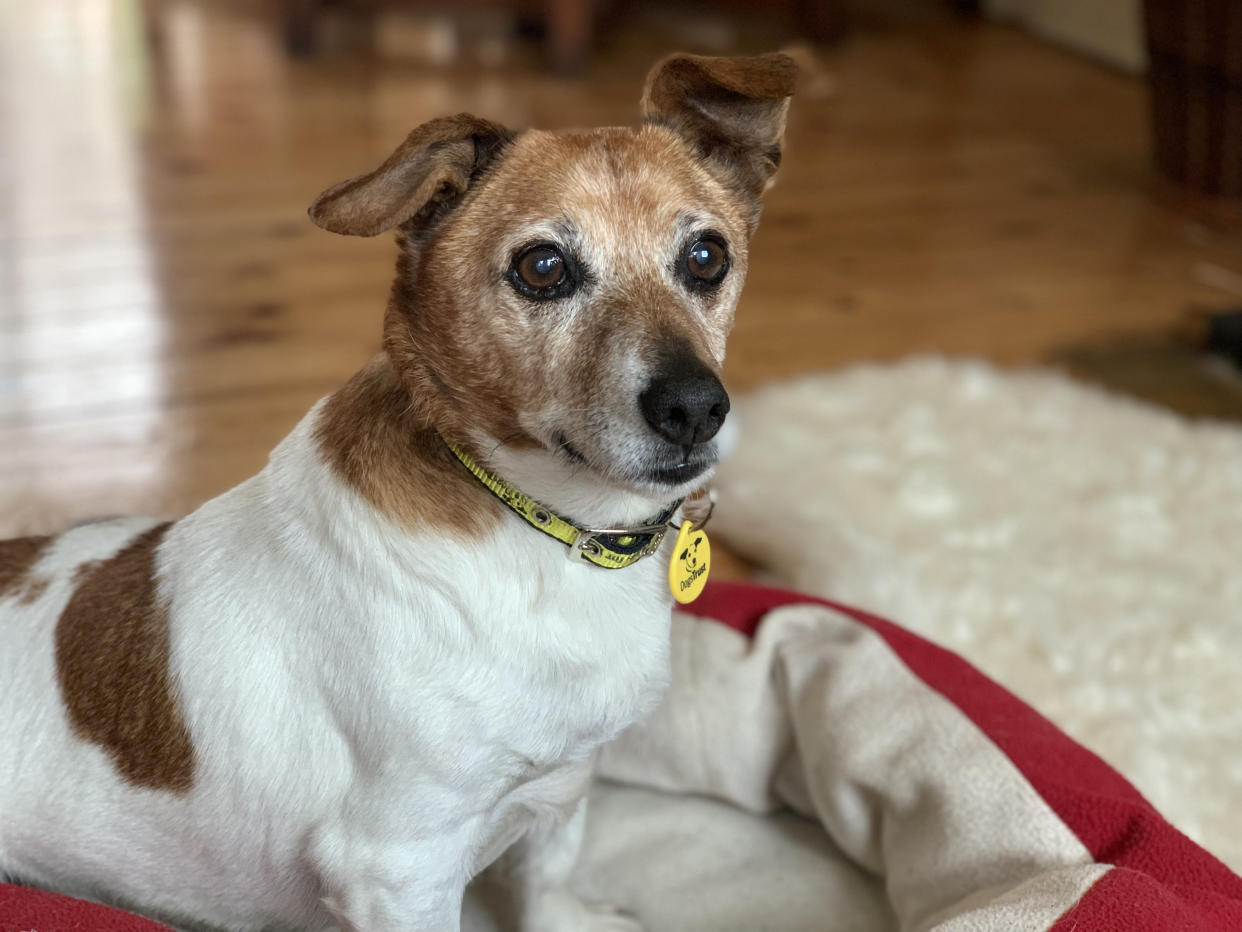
point(299, 19)
point(569, 32)
point(821, 20)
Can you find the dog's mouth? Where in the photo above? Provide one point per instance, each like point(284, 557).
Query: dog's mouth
point(687, 466)
point(685, 471)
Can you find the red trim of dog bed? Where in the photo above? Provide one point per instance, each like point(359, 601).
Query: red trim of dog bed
point(25, 910)
point(1126, 900)
point(1168, 879)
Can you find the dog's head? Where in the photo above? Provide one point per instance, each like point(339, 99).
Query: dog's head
point(573, 291)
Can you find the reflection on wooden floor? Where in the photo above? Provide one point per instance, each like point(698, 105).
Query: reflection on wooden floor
point(167, 312)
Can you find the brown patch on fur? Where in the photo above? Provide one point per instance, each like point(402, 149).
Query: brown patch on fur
point(112, 663)
point(16, 559)
point(370, 434)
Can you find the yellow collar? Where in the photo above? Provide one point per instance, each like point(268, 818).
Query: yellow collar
point(610, 548)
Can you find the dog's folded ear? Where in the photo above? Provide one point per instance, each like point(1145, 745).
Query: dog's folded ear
point(731, 110)
point(425, 176)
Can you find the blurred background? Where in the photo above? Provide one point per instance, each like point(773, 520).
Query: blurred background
point(960, 178)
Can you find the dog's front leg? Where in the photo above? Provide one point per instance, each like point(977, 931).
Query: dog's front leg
point(539, 867)
point(372, 885)
point(368, 904)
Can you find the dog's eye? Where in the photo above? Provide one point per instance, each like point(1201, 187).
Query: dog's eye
point(706, 262)
point(541, 272)
point(542, 267)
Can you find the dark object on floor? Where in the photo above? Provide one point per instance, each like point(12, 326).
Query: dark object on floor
point(1170, 370)
point(1196, 92)
point(1224, 336)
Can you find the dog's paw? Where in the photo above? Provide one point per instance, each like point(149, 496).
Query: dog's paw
point(561, 911)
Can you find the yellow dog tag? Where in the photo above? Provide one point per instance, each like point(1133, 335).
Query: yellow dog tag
point(692, 557)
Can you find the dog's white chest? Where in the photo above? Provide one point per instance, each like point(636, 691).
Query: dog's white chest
point(563, 655)
point(590, 658)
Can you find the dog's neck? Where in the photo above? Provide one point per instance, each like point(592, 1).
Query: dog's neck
point(371, 433)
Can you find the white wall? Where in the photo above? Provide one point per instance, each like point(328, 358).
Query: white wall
point(1108, 30)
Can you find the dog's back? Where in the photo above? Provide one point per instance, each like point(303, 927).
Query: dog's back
point(103, 791)
point(70, 601)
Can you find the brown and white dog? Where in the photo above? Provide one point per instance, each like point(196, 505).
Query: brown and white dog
point(332, 695)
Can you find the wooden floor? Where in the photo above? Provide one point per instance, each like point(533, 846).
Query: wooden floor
point(167, 312)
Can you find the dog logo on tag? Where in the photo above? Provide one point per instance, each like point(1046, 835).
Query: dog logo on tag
point(687, 571)
point(690, 556)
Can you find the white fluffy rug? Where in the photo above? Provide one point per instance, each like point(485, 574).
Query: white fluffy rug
point(1083, 549)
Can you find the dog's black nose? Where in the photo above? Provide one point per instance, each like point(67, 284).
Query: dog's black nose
point(685, 404)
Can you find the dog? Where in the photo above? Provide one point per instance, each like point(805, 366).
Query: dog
point(331, 696)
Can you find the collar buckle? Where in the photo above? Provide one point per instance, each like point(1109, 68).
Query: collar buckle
point(585, 546)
